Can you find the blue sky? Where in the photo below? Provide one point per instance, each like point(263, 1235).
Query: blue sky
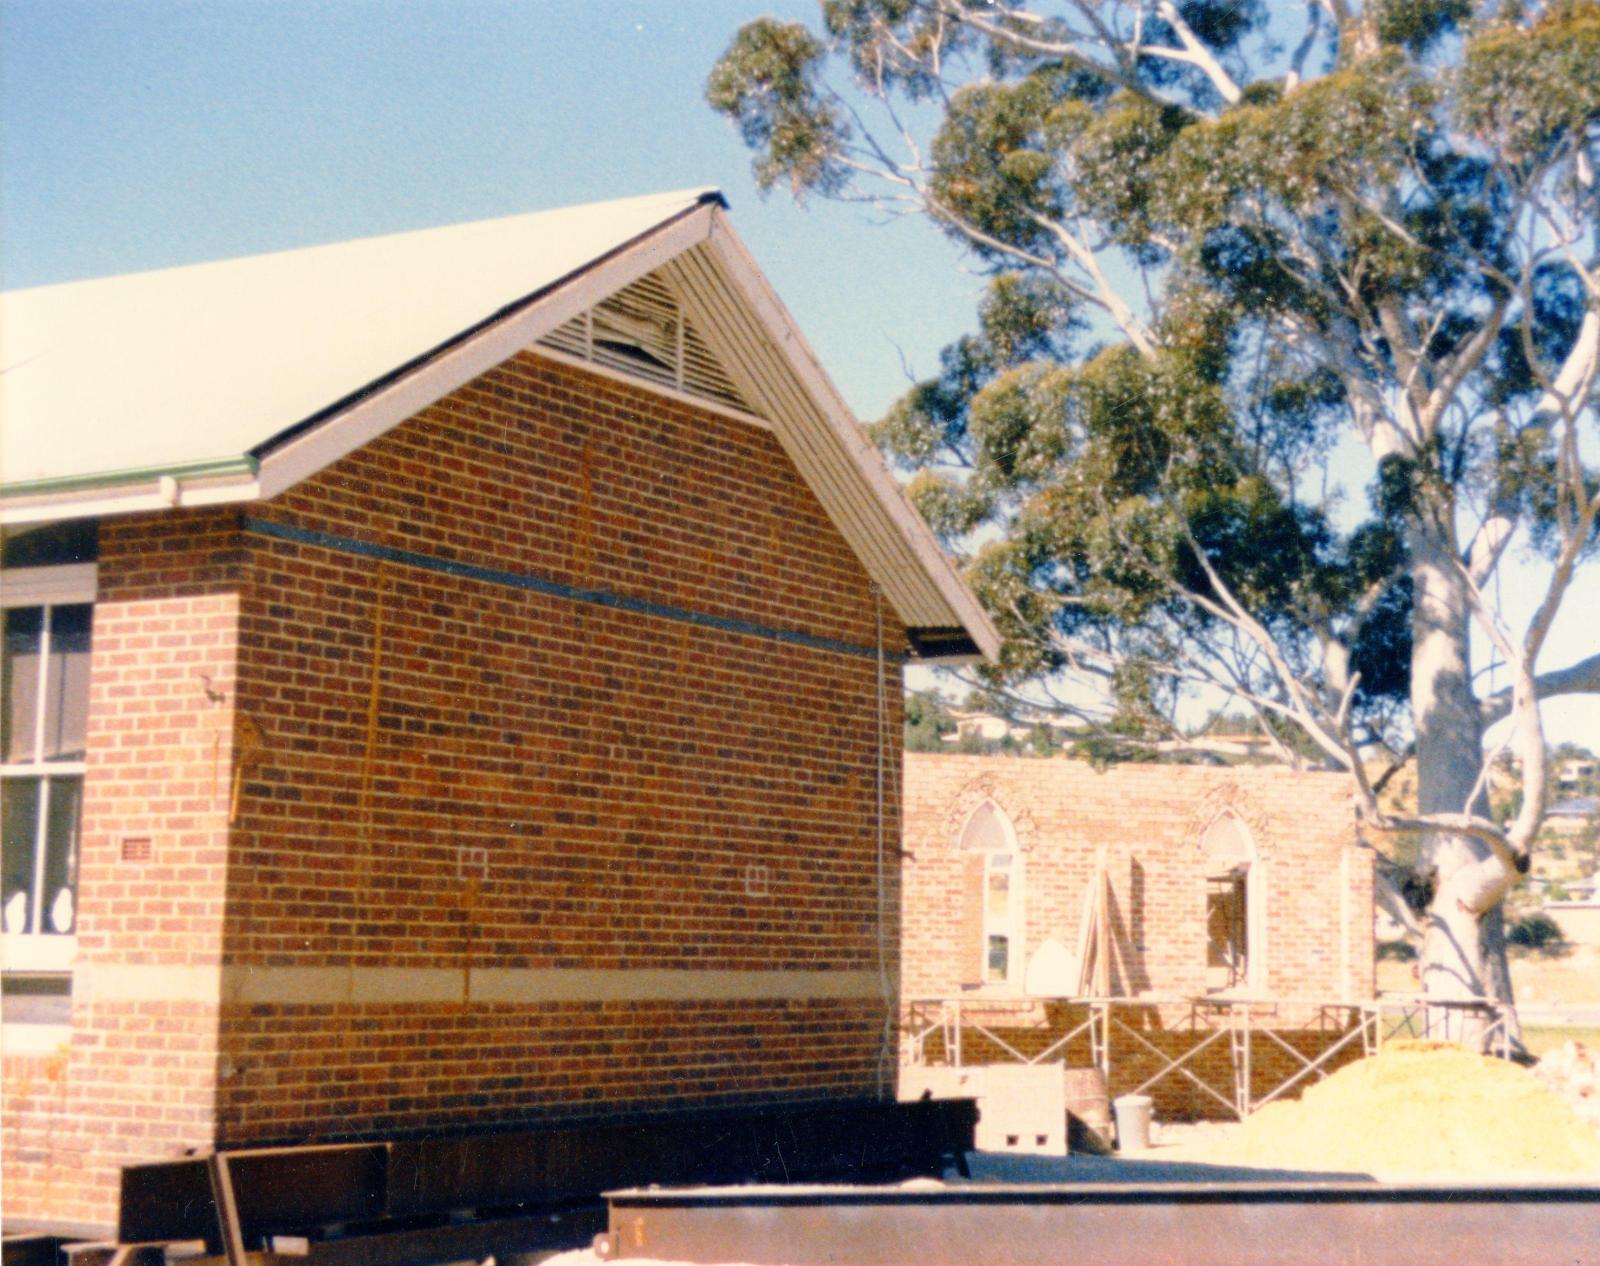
point(141, 135)
point(146, 133)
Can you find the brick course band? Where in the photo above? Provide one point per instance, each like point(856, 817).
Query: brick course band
point(250, 985)
point(555, 589)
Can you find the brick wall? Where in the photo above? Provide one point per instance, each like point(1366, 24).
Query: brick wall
point(1315, 884)
point(138, 1076)
point(435, 842)
point(1148, 821)
point(504, 855)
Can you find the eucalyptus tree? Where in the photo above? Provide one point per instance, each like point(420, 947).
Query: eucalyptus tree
point(1223, 242)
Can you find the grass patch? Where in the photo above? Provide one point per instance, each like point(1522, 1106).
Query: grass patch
point(1541, 1041)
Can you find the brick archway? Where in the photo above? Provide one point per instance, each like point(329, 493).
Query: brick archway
point(1229, 797)
point(993, 789)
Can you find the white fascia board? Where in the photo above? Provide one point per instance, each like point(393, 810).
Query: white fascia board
point(385, 408)
point(758, 293)
point(163, 493)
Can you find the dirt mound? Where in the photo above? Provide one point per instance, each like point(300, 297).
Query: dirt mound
point(1426, 1110)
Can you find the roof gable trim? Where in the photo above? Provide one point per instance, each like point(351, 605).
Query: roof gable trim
point(785, 337)
point(364, 416)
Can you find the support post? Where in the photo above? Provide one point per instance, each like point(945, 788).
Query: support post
point(227, 1209)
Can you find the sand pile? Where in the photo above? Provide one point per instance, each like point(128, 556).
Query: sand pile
point(1419, 1110)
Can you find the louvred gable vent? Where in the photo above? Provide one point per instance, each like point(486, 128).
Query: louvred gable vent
point(642, 332)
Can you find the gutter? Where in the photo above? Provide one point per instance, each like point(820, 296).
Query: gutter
point(206, 482)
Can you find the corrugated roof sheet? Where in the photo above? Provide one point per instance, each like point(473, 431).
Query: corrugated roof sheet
point(207, 362)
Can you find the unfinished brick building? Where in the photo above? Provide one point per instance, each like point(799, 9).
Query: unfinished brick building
point(451, 678)
point(1222, 887)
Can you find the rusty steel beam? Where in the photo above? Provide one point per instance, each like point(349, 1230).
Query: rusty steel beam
point(503, 1238)
point(30, 1250)
point(235, 1201)
point(1166, 1224)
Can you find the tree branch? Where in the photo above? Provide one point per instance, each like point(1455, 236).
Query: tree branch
point(1197, 54)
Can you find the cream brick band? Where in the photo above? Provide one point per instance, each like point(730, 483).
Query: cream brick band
point(358, 986)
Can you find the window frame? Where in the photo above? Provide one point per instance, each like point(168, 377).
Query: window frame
point(1252, 889)
point(54, 585)
point(1012, 924)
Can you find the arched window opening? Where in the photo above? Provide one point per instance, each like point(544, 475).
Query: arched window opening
point(994, 905)
point(1230, 905)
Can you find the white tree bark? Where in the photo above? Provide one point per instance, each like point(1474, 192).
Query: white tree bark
point(1471, 877)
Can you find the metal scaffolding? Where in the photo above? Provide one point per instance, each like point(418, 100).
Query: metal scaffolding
point(1119, 1030)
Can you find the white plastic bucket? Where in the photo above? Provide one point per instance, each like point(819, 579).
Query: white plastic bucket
point(1133, 1122)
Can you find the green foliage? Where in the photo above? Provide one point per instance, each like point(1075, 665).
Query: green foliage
point(1104, 751)
point(991, 170)
point(1534, 87)
point(1417, 25)
point(927, 721)
point(767, 83)
point(856, 23)
point(1536, 931)
point(1299, 245)
point(1396, 952)
point(1021, 320)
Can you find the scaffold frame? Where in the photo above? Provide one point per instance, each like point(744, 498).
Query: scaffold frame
point(1243, 1022)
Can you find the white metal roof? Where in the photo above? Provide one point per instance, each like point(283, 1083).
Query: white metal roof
point(231, 381)
point(204, 363)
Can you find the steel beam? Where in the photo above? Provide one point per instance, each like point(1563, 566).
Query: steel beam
point(237, 1200)
point(1168, 1224)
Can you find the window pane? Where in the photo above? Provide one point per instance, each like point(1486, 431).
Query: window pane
point(19, 690)
point(999, 894)
point(999, 957)
point(67, 697)
point(60, 897)
point(19, 814)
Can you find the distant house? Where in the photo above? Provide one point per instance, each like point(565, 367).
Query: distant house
point(450, 679)
point(1578, 915)
point(990, 727)
point(1568, 817)
point(984, 727)
point(1585, 889)
point(1571, 774)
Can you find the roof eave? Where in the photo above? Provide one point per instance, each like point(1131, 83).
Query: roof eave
point(951, 628)
point(214, 482)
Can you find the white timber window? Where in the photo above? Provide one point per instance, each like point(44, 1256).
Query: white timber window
point(44, 712)
point(994, 897)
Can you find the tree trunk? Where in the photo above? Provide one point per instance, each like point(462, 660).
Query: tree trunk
point(1458, 961)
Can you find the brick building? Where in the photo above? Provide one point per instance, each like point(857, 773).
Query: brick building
point(1241, 879)
point(1222, 888)
point(451, 678)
